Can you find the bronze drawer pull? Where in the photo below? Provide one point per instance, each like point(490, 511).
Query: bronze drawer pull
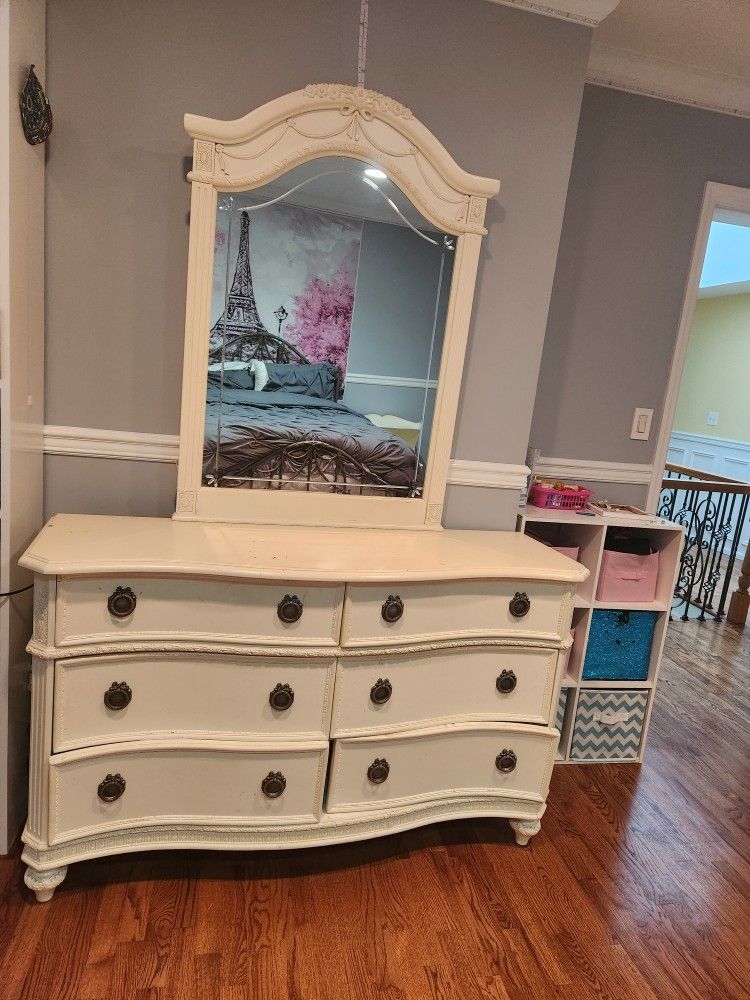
point(381, 691)
point(289, 609)
point(117, 696)
point(520, 605)
point(393, 608)
point(281, 698)
point(506, 682)
point(273, 785)
point(506, 761)
point(378, 771)
point(121, 602)
point(111, 788)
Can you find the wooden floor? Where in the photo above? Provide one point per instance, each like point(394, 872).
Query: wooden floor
point(637, 887)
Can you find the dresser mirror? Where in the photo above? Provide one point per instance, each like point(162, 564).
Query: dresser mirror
point(333, 253)
point(327, 316)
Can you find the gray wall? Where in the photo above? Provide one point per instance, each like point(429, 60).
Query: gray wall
point(500, 87)
point(636, 188)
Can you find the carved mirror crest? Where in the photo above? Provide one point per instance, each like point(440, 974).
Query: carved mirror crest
point(333, 253)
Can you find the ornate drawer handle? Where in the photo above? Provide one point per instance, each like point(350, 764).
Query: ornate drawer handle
point(393, 608)
point(281, 698)
point(273, 785)
point(111, 788)
point(506, 761)
point(118, 696)
point(381, 691)
point(506, 682)
point(121, 602)
point(289, 609)
point(378, 771)
point(520, 605)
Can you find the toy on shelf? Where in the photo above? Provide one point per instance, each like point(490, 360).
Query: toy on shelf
point(558, 495)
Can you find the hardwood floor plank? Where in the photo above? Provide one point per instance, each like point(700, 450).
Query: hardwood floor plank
point(636, 889)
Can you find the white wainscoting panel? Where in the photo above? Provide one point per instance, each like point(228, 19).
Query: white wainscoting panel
point(722, 457)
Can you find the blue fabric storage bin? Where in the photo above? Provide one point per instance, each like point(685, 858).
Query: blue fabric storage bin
point(619, 646)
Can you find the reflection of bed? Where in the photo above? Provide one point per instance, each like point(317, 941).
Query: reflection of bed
point(290, 440)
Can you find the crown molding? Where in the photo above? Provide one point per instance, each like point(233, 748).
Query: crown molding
point(588, 12)
point(636, 73)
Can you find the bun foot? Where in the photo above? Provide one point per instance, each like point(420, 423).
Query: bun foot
point(43, 884)
point(524, 830)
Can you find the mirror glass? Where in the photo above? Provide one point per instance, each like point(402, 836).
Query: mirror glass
point(329, 299)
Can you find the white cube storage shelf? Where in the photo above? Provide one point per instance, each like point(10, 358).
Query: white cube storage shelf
point(590, 717)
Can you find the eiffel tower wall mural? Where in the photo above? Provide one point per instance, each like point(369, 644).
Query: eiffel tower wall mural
point(328, 303)
point(294, 274)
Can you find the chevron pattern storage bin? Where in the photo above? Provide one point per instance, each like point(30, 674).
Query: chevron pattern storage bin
point(608, 725)
point(560, 715)
point(560, 719)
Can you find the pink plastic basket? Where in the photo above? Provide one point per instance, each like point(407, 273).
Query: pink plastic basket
point(546, 496)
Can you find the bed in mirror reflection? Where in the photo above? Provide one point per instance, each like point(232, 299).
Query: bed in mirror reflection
point(329, 300)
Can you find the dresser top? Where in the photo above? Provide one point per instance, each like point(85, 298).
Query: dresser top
point(83, 544)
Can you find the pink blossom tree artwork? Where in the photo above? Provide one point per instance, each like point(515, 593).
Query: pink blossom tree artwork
point(321, 321)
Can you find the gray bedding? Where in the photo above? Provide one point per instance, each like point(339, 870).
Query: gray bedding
point(286, 440)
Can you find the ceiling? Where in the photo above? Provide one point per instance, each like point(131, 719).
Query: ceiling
point(691, 51)
point(712, 35)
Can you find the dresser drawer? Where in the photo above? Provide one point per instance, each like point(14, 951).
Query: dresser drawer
point(400, 613)
point(206, 783)
point(110, 699)
point(375, 771)
point(152, 608)
point(401, 691)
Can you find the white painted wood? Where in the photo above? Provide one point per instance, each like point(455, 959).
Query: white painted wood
point(326, 120)
point(204, 647)
point(191, 696)
point(588, 12)
point(86, 545)
point(142, 447)
point(717, 197)
point(574, 469)
point(590, 533)
point(199, 781)
point(398, 381)
point(92, 442)
point(678, 82)
point(331, 828)
point(446, 610)
point(438, 763)
point(195, 610)
point(495, 475)
point(441, 686)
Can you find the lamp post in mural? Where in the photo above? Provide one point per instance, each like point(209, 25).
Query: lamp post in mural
point(280, 314)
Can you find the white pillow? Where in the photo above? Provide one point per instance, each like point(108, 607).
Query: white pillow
point(229, 366)
point(259, 370)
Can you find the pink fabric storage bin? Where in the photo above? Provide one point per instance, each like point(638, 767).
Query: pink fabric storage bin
point(625, 577)
point(571, 551)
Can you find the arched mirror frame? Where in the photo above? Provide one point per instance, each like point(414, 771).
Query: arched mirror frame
point(320, 121)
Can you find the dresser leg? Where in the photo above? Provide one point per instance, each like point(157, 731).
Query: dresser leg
point(524, 829)
point(43, 884)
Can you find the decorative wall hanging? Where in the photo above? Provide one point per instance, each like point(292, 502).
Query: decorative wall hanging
point(36, 114)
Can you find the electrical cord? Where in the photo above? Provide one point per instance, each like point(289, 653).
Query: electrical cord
point(21, 590)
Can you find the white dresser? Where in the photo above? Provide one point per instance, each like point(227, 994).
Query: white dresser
point(247, 686)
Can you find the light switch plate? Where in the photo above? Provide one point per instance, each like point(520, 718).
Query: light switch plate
point(641, 428)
